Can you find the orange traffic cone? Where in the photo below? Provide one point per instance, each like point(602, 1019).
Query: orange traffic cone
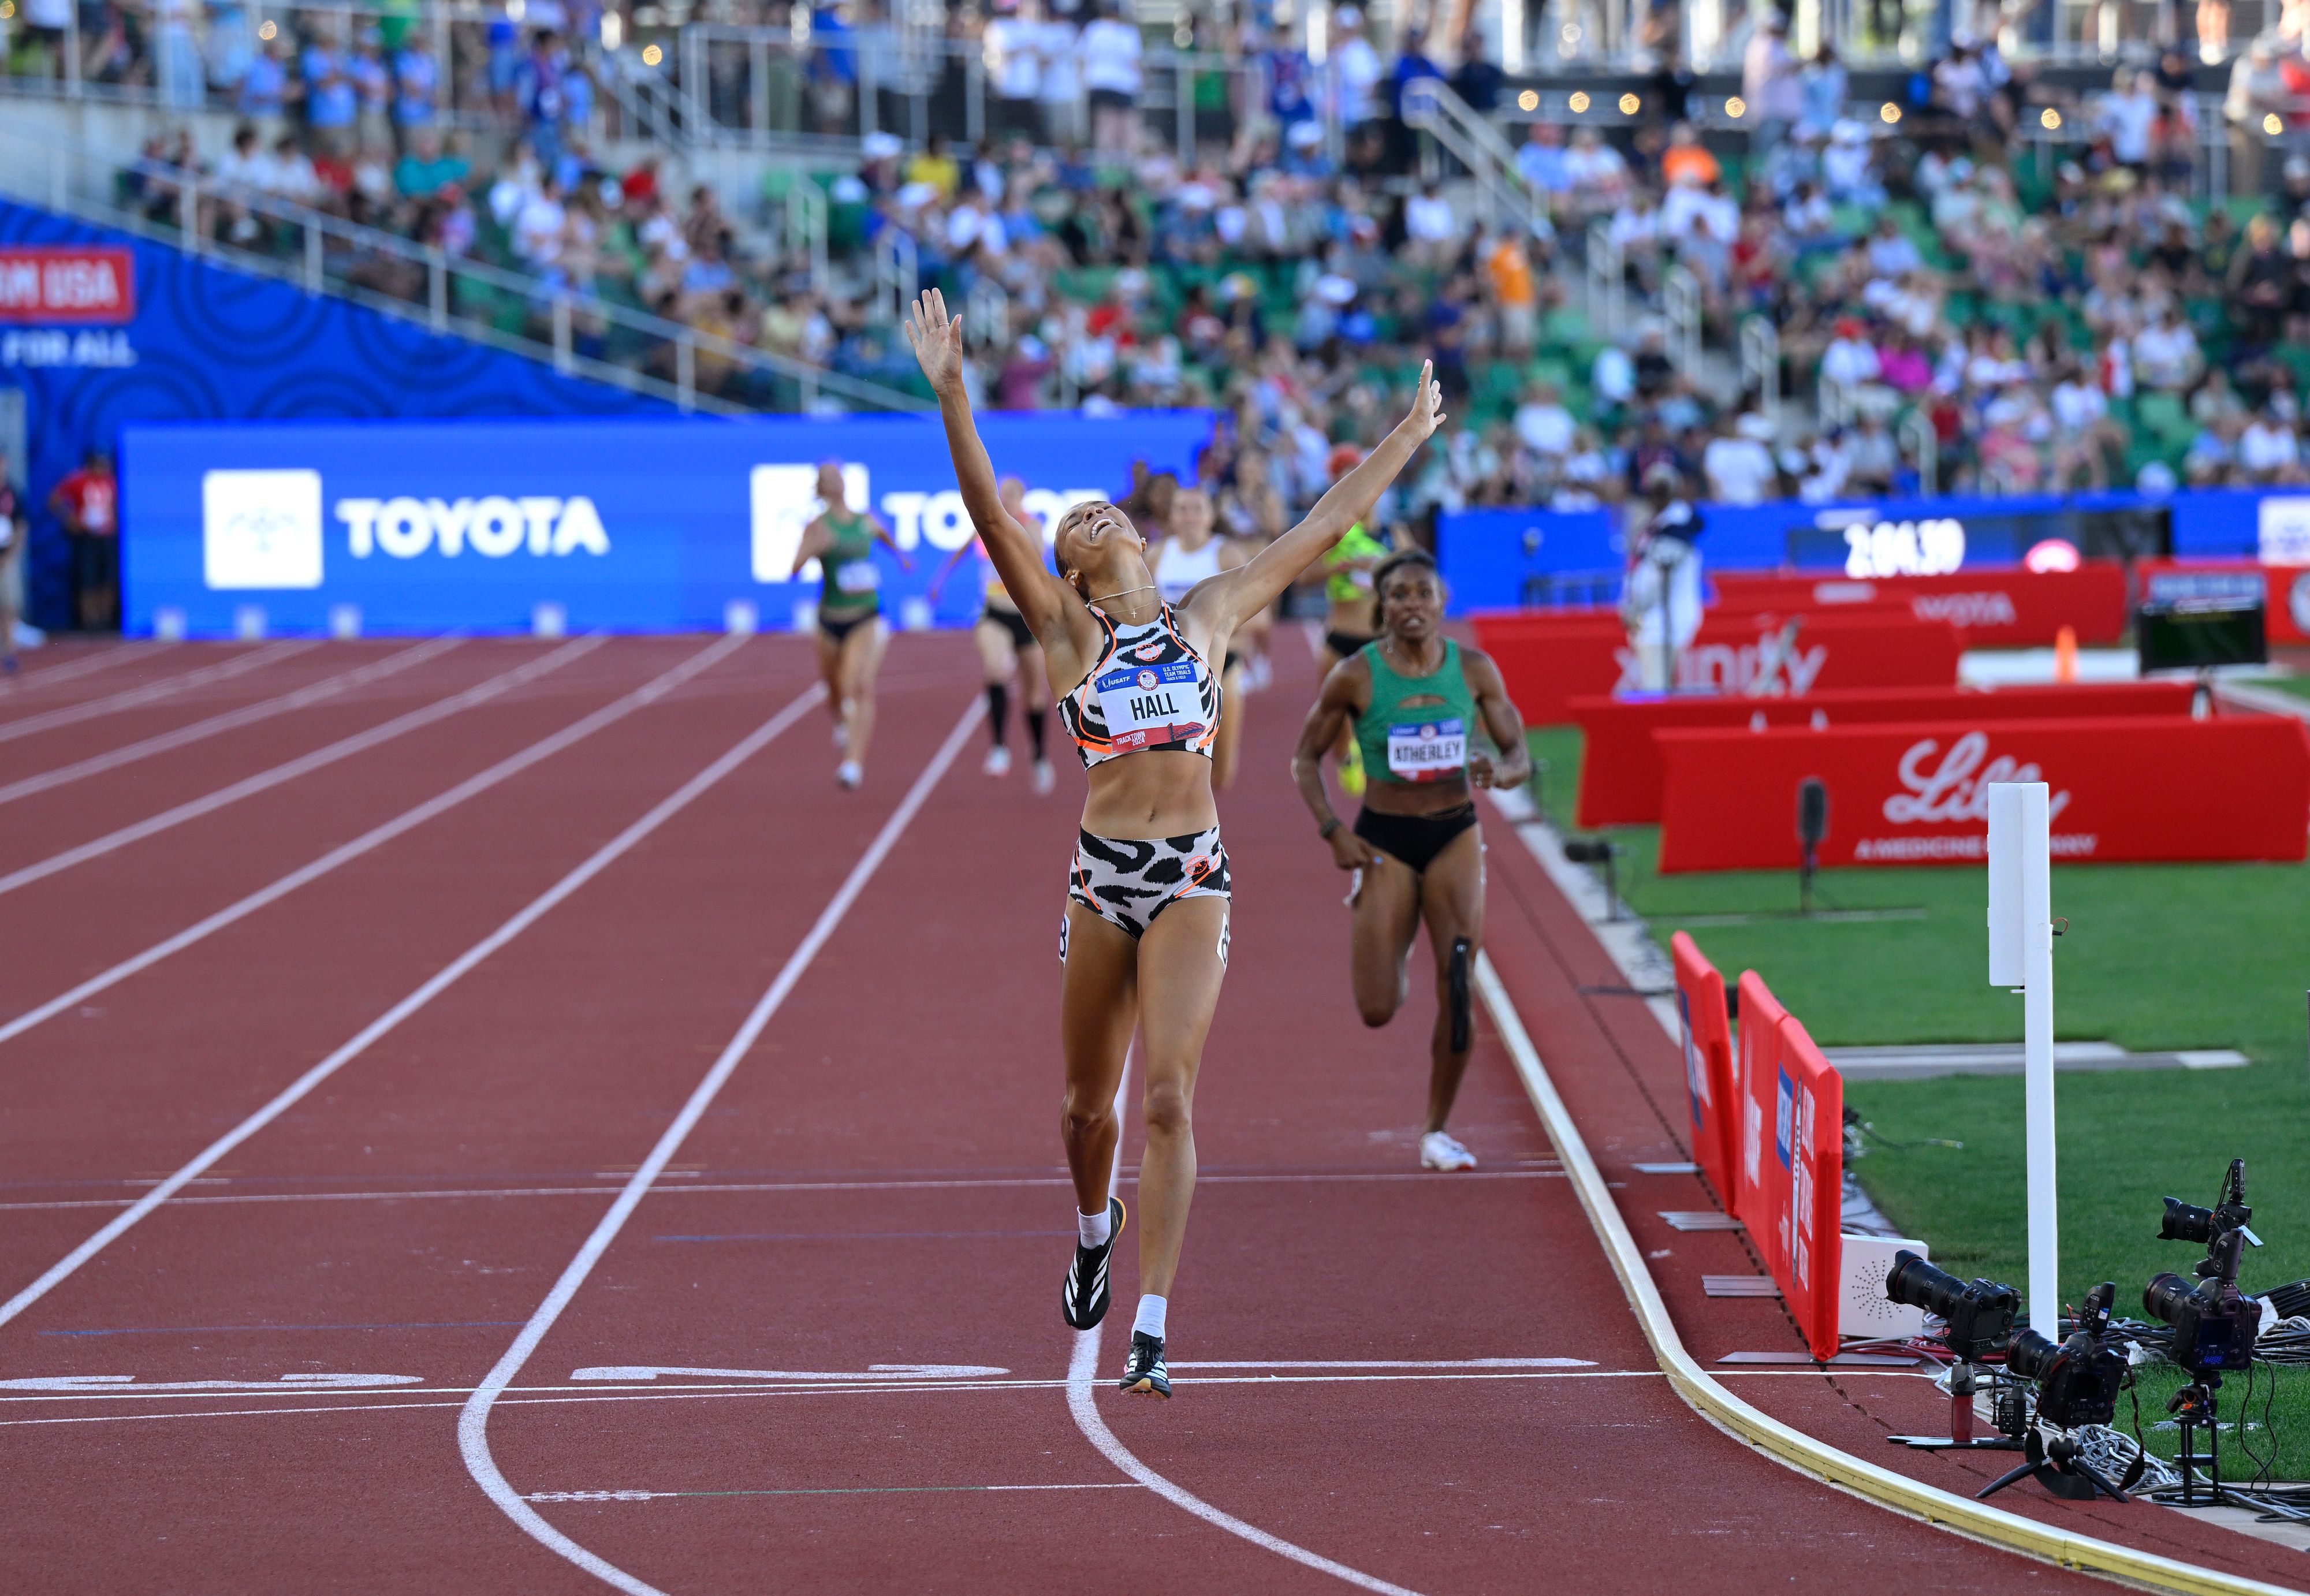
point(2065, 655)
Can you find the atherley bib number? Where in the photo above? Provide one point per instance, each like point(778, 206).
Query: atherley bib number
point(1426, 750)
point(1150, 706)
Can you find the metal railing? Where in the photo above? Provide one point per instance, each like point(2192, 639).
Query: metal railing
point(1605, 273)
point(578, 331)
point(1680, 304)
point(1924, 445)
point(1459, 130)
point(1760, 364)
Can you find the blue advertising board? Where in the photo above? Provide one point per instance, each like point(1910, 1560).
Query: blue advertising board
point(627, 526)
point(1504, 559)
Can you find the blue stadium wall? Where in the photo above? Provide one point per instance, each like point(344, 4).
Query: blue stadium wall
point(209, 343)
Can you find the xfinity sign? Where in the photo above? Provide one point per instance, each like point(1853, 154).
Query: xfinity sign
point(639, 526)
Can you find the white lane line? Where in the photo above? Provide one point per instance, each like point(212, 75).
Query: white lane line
point(378, 836)
point(230, 721)
point(152, 692)
point(304, 765)
point(1082, 1374)
point(1391, 1363)
point(853, 1490)
point(732, 1392)
point(473, 1422)
point(100, 659)
point(1463, 1178)
point(601, 860)
point(648, 1373)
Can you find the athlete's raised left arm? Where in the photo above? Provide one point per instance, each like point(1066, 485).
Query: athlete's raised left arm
point(1501, 718)
point(817, 538)
point(1226, 601)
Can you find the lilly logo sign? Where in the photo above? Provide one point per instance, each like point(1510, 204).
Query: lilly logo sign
point(261, 529)
point(1951, 787)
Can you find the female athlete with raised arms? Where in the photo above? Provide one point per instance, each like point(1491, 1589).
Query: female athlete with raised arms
point(1144, 940)
point(1414, 700)
point(851, 631)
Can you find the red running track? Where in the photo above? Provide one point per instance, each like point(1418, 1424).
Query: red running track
point(877, 1183)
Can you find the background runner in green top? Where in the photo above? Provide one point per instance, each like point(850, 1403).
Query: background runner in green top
point(1426, 741)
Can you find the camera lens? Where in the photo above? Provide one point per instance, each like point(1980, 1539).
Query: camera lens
point(2186, 1221)
point(1916, 1283)
point(2030, 1354)
point(2167, 1295)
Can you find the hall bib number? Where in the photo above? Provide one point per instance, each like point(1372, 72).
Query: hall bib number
point(859, 576)
point(1426, 750)
point(1150, 706)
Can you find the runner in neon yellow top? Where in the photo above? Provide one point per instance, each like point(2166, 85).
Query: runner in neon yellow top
point(1416, 702)
point(1349, 625)
point(851, 631)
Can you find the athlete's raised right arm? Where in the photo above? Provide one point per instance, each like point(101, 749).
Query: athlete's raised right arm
point(817, 538)
point(1017, 552)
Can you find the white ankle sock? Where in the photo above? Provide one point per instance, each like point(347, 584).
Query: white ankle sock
point(1093, 1230)
point(1149, 1321)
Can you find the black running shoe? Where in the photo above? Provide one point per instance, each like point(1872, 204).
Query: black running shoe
point(1083, 1300)
point(1144, 1374)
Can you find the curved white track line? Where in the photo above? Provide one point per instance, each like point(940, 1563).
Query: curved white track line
point(193, 809)
point(664, 810)
point(133, 698)
point(473, 1421)
point(1083, 1375)
point(230, 721)
point(376, 837)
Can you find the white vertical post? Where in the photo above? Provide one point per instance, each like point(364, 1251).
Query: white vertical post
point(2021, 954)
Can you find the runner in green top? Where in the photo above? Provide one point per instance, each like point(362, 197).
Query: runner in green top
point(851, 631)
point(1415, 701)
point(1349, 625)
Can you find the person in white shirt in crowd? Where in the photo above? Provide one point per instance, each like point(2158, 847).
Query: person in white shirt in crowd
point(1543, 425)
point(1014, 65)
point(1430, 225)
point(1850, 361)
point(243, 170)
point(539, 225)
point(290, 176)
point(1737, 463)
point(2084, 435)
point(1872, 458)
point(1826, 465)
point(1597, 173)
point(1770, 84)
point(1542, 161)
point(1892, 253)
point(1354, 70)
point(2257, 91)
point(1612, 376)
point(1585, 477)
point(2166, 354)
point(1848, 168)
point(1059, 50)
point(2267, 451)
point(2127, 117)
point(1111, 73)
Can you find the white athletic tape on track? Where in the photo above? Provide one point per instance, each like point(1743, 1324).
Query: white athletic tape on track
point(610, 852)
point(231, 720)
point(193, 809)
point(152, 692)
point(473, 1422)
point(408, 819)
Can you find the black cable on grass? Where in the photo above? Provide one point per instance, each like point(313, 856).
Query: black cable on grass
point(2269, 1430)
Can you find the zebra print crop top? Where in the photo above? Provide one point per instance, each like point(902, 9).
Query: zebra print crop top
point(1147, 691)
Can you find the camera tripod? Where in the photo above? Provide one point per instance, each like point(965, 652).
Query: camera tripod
point(2061, 1467)
point(1963, 1381)
point(2193, 1406)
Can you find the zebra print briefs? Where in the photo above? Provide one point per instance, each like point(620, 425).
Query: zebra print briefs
point(1128, 881)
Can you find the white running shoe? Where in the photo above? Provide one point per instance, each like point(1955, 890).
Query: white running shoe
point(998, 761)
point(1046, 778)
point(1440, 1149)
point(848, 773)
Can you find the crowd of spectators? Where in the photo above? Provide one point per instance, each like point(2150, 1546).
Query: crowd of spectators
point(1995, 279)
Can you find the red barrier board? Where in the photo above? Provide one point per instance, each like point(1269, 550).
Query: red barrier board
point(1549, 661)
point(1709, 1071)
point(1620, 768)
point(2287, 617)
point(1809, 1144)
point(2004, 607)
point(2124, 789)
point(1760, 1179)
point(47, 283)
